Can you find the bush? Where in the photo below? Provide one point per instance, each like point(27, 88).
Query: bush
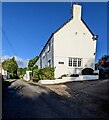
point(74, 75)
point(87, 71)
point(35, 75)
point(46, 73)
point(64, 75)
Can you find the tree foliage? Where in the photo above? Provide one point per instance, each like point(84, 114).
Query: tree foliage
point(102, 62)
point(11, 66)
point(32, 62)
point(21, 72)
point(35, 71)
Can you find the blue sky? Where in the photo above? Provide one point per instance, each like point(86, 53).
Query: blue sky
point(27, 26)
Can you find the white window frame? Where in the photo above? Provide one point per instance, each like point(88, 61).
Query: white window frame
point(75, 62)
point(70, 62)
point(79, 62)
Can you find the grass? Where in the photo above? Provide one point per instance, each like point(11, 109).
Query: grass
point(6, 80)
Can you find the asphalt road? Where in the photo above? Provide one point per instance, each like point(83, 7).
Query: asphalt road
point(23, 100)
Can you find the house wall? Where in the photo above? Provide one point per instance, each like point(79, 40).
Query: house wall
point(46, 55)
point(38, 63)
point(69, 44)
point(73, 40)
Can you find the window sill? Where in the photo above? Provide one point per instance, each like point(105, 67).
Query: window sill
point(74, 67)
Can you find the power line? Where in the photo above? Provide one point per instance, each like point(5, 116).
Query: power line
point(8, 41)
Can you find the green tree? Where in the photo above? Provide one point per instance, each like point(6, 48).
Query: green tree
point(35, 72)
point(102, 61)
point(11, 66)
point(32, 62)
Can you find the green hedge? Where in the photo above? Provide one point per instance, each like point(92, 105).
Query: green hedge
point(46, 73)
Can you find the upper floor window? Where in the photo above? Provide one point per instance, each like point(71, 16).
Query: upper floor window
point(75, 62)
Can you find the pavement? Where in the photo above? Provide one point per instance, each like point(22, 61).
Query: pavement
point(24, 100)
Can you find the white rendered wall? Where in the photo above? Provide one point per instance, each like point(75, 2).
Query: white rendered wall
point(38, 63)
point(46, 56)
point(4, 72)
point(70, 79)
point(68, 44)
point(65, 43)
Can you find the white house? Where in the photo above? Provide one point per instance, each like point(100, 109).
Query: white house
point(70, 48)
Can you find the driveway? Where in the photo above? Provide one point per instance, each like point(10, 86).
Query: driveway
point(24, 100)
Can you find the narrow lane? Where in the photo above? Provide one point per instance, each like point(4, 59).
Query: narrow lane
point(22, 100)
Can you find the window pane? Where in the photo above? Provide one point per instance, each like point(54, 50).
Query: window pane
point(70, 62)
point(79, 62)
point(74, 62)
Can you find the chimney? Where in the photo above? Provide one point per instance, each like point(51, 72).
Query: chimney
point(77, 11)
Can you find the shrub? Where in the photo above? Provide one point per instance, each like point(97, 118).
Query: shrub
point(35, 75)
point(46, 73)
point(64, 75)
point(74, 75)
point(87, 71)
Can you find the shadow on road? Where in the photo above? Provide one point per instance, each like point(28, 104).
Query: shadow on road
point(21, 102)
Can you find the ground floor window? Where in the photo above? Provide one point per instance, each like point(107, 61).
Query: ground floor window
point(75, 62)
point(70, 62)
point(49, 63)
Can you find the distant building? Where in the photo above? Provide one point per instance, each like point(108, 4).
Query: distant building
point(27, 76)
point(4, 73)
point(70, 48)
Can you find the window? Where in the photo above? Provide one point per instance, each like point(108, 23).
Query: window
point(76, 33)
point(60, 62)
point(43, 57)
point(49, 63)
point(75, 62)
point(79, 62)
point(70, 62)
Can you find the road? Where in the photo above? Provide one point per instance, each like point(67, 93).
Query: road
point(23, 100)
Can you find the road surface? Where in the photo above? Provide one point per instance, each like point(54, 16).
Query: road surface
point(23, 100)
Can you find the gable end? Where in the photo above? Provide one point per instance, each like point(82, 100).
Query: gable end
point(87, 27)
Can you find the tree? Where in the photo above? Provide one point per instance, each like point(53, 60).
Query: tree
point(102, 61)
point(35, 72)
point(32, 62)
point(11, 66)
point(21, 72)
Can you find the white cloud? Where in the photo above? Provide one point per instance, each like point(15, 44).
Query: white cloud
point(20, 61)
